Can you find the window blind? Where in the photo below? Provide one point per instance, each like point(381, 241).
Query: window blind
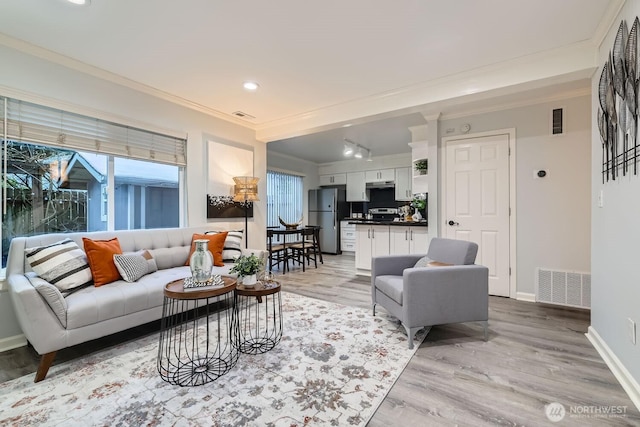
point(38, 124)
point(284, 197)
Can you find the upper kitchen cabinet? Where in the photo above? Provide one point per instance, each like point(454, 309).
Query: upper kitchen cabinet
point(380, 175)
point(357, 187)
point(334, 179)
point(420, 167)
point(403, 184)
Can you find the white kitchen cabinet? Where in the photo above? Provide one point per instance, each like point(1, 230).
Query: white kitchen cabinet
point(335, 179)
point(357, 187)
point(347, 236)
point(403, 184)
point(371, 241)
point(380, 175)
point(408, 240)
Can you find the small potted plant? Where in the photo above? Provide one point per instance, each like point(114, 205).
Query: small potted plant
point(419, 202)
point(421, 166)
point(247, 268)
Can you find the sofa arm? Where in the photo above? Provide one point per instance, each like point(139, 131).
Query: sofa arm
point(452, 294)
point(392, 264)
point(39, 324)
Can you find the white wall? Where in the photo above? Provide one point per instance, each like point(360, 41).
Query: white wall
point(553, 214)
point(48, 83)
point(615, 238)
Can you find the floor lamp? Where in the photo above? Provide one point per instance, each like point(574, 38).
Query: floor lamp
point(245, 190)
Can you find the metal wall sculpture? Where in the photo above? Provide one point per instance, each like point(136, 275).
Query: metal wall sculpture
point(618, 112)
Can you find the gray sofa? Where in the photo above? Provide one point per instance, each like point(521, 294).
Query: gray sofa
point(94, 312)
point(436, 294)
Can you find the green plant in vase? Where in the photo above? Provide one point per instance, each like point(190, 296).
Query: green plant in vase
point(419, 202)
point(421, 166)
point(247, 267)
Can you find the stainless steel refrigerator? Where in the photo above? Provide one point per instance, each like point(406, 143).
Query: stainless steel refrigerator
point(327, 206)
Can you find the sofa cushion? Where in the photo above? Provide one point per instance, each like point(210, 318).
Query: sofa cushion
point(232, 245)
point(215, 246)
point(391, 286)
point(133, 266)
point(100, 255)
point(63, 264)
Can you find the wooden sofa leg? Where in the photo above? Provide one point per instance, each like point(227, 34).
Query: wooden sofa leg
point(45, 363)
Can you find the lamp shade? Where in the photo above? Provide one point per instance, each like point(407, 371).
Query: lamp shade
point(245, 189)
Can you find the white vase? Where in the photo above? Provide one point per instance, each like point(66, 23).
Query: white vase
point(417, 216)
point(250, 280)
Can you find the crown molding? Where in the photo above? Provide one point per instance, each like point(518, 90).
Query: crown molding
point(82, 67)
point(607, 22)
point(519, 104)
point(577, 60)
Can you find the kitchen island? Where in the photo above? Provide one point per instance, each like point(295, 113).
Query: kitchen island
point(383, 237)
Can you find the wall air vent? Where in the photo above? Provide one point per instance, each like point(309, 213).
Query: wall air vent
point(557, 123)
point(243, 115)
point(560, 287)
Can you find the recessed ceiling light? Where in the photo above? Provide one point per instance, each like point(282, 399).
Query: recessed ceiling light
point(80, 2)
point(250, 86)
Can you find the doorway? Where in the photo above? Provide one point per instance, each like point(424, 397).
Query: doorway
point(478, 195)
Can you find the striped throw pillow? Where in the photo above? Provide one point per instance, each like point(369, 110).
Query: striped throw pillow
point(133, 266)
point(63, 264)
point(232, 245)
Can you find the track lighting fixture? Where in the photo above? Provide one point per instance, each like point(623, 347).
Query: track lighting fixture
point(356, 150)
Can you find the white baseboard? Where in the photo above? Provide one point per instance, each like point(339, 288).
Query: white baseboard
point(525, 296)
point(628, 383)
point(10, 343)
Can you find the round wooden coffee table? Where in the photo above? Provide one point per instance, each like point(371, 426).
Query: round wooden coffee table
point(197, 333)
point(259, 310)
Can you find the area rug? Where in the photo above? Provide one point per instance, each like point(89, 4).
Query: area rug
point(333, 367)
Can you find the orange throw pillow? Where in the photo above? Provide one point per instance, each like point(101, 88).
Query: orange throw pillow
point(215, 246)
point(100, 256)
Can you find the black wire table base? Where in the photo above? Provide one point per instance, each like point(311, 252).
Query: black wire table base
point(196, 339)
point(259, 321)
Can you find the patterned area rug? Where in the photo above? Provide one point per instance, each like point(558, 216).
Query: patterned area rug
point(333, 366)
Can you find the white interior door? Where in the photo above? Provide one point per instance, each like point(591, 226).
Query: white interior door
point(477, 202)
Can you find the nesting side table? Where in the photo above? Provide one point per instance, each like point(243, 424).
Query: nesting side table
point(259, 311)
point(192, 351)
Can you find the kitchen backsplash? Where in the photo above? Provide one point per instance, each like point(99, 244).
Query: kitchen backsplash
point(378, 198)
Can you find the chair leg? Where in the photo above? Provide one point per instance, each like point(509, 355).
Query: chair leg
point(45, 363)
point(486, 330)
point(411, 332)
point(374, 308)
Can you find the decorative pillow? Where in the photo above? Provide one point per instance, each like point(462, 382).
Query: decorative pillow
point(134, 266)
point(232, 245)
point(63, 264)
point(215, 246)
point(100, 255)
point(428, 262)
point(54, 298)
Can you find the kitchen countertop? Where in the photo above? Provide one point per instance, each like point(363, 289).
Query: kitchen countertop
point(422, 223)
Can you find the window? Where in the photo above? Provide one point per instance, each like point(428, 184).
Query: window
point(284, 197)
point(59, 177)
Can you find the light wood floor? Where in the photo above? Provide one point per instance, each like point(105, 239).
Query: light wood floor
point(536, 354)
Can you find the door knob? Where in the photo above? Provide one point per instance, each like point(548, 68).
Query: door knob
point(453, 223)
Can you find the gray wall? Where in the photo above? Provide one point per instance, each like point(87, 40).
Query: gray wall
point(553, 214)
point(615, 237)
point(49, 83)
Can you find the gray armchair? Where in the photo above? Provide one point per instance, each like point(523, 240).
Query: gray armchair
point(433, 295)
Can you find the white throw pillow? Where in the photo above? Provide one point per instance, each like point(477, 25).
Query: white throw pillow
point(133, 266)
point(63, 264)
point(232, 245)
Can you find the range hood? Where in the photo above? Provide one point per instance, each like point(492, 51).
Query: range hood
point(381, 184)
